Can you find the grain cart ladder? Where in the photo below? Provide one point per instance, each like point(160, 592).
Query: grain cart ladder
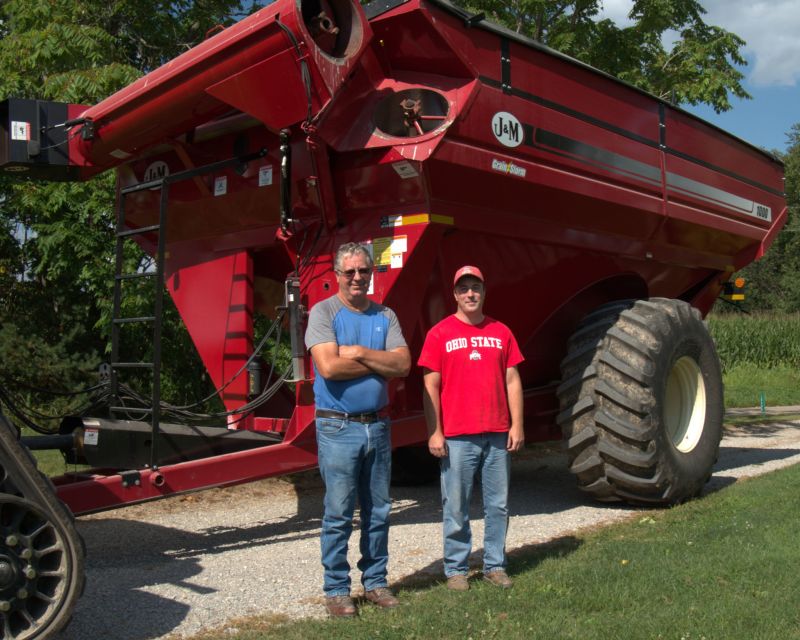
point(158, 232)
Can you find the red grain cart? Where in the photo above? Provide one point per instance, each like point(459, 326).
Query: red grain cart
point(606, 222)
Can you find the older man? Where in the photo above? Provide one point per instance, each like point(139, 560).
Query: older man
point(356, 346)
point(473, 407)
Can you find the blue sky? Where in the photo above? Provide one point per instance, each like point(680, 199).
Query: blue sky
point(771, 29)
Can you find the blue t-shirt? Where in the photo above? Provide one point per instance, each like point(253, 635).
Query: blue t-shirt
point(375, 328)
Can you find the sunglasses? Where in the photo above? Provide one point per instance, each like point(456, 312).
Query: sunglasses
point(477, 287)
point(364, 272)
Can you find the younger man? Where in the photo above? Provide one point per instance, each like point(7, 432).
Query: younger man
point(473, 407)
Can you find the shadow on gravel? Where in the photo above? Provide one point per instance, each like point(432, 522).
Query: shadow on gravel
point(538, 486)
point(521, 559)
point(734, 457)
point(766, 430)
point(133, 555)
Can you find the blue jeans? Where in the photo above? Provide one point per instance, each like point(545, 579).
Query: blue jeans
point(468, 456)
point(355, 461)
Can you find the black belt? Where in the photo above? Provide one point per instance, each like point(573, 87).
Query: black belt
point(366, 418)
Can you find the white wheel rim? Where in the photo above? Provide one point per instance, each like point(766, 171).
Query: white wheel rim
point(685, 404)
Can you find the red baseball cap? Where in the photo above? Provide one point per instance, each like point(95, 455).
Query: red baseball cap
point(468, 270)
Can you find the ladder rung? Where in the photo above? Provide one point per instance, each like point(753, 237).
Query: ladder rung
point(129, 320)
point(137, 231)
point(140, 274)
point(132, 365)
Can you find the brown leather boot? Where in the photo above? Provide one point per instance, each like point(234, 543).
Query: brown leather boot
point(498, 578)
point(458, 582)
point(382, 597)
point(340, 606)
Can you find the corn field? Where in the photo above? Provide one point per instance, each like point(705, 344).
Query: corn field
point(766, 340)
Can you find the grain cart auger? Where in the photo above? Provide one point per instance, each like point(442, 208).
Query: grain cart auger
point(605, 220)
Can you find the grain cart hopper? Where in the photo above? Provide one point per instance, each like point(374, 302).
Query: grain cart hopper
point(605, 220)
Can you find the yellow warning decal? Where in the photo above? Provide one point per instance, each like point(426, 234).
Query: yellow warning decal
point(388, 252)
point(417, 218)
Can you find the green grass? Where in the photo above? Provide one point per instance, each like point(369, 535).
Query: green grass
point(760, 353)
point(723, 567)
point(51, 463)
point(745, 382)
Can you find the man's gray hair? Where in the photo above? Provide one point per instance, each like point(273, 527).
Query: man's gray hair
point(351, 249)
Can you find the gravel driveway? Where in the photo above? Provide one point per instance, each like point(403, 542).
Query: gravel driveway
point(175, 567)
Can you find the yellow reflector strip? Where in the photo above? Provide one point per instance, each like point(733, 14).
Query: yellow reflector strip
point(737, 296)
point(418, 218)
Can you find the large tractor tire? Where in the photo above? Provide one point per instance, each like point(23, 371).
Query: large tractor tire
point(41, 552)
point(641, 402)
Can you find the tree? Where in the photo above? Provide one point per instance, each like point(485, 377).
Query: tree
point(789, 239)
point(772, 282)
point(697, 66)
point(57, 240)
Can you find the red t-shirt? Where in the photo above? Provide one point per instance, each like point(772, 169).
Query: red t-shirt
point(472, 360)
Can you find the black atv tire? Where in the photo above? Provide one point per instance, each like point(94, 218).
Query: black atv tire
point(641, 402)
point(41, 552)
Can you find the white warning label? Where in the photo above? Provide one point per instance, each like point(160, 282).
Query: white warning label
point(265, 176)
point(20, 130)
point(220, 185)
